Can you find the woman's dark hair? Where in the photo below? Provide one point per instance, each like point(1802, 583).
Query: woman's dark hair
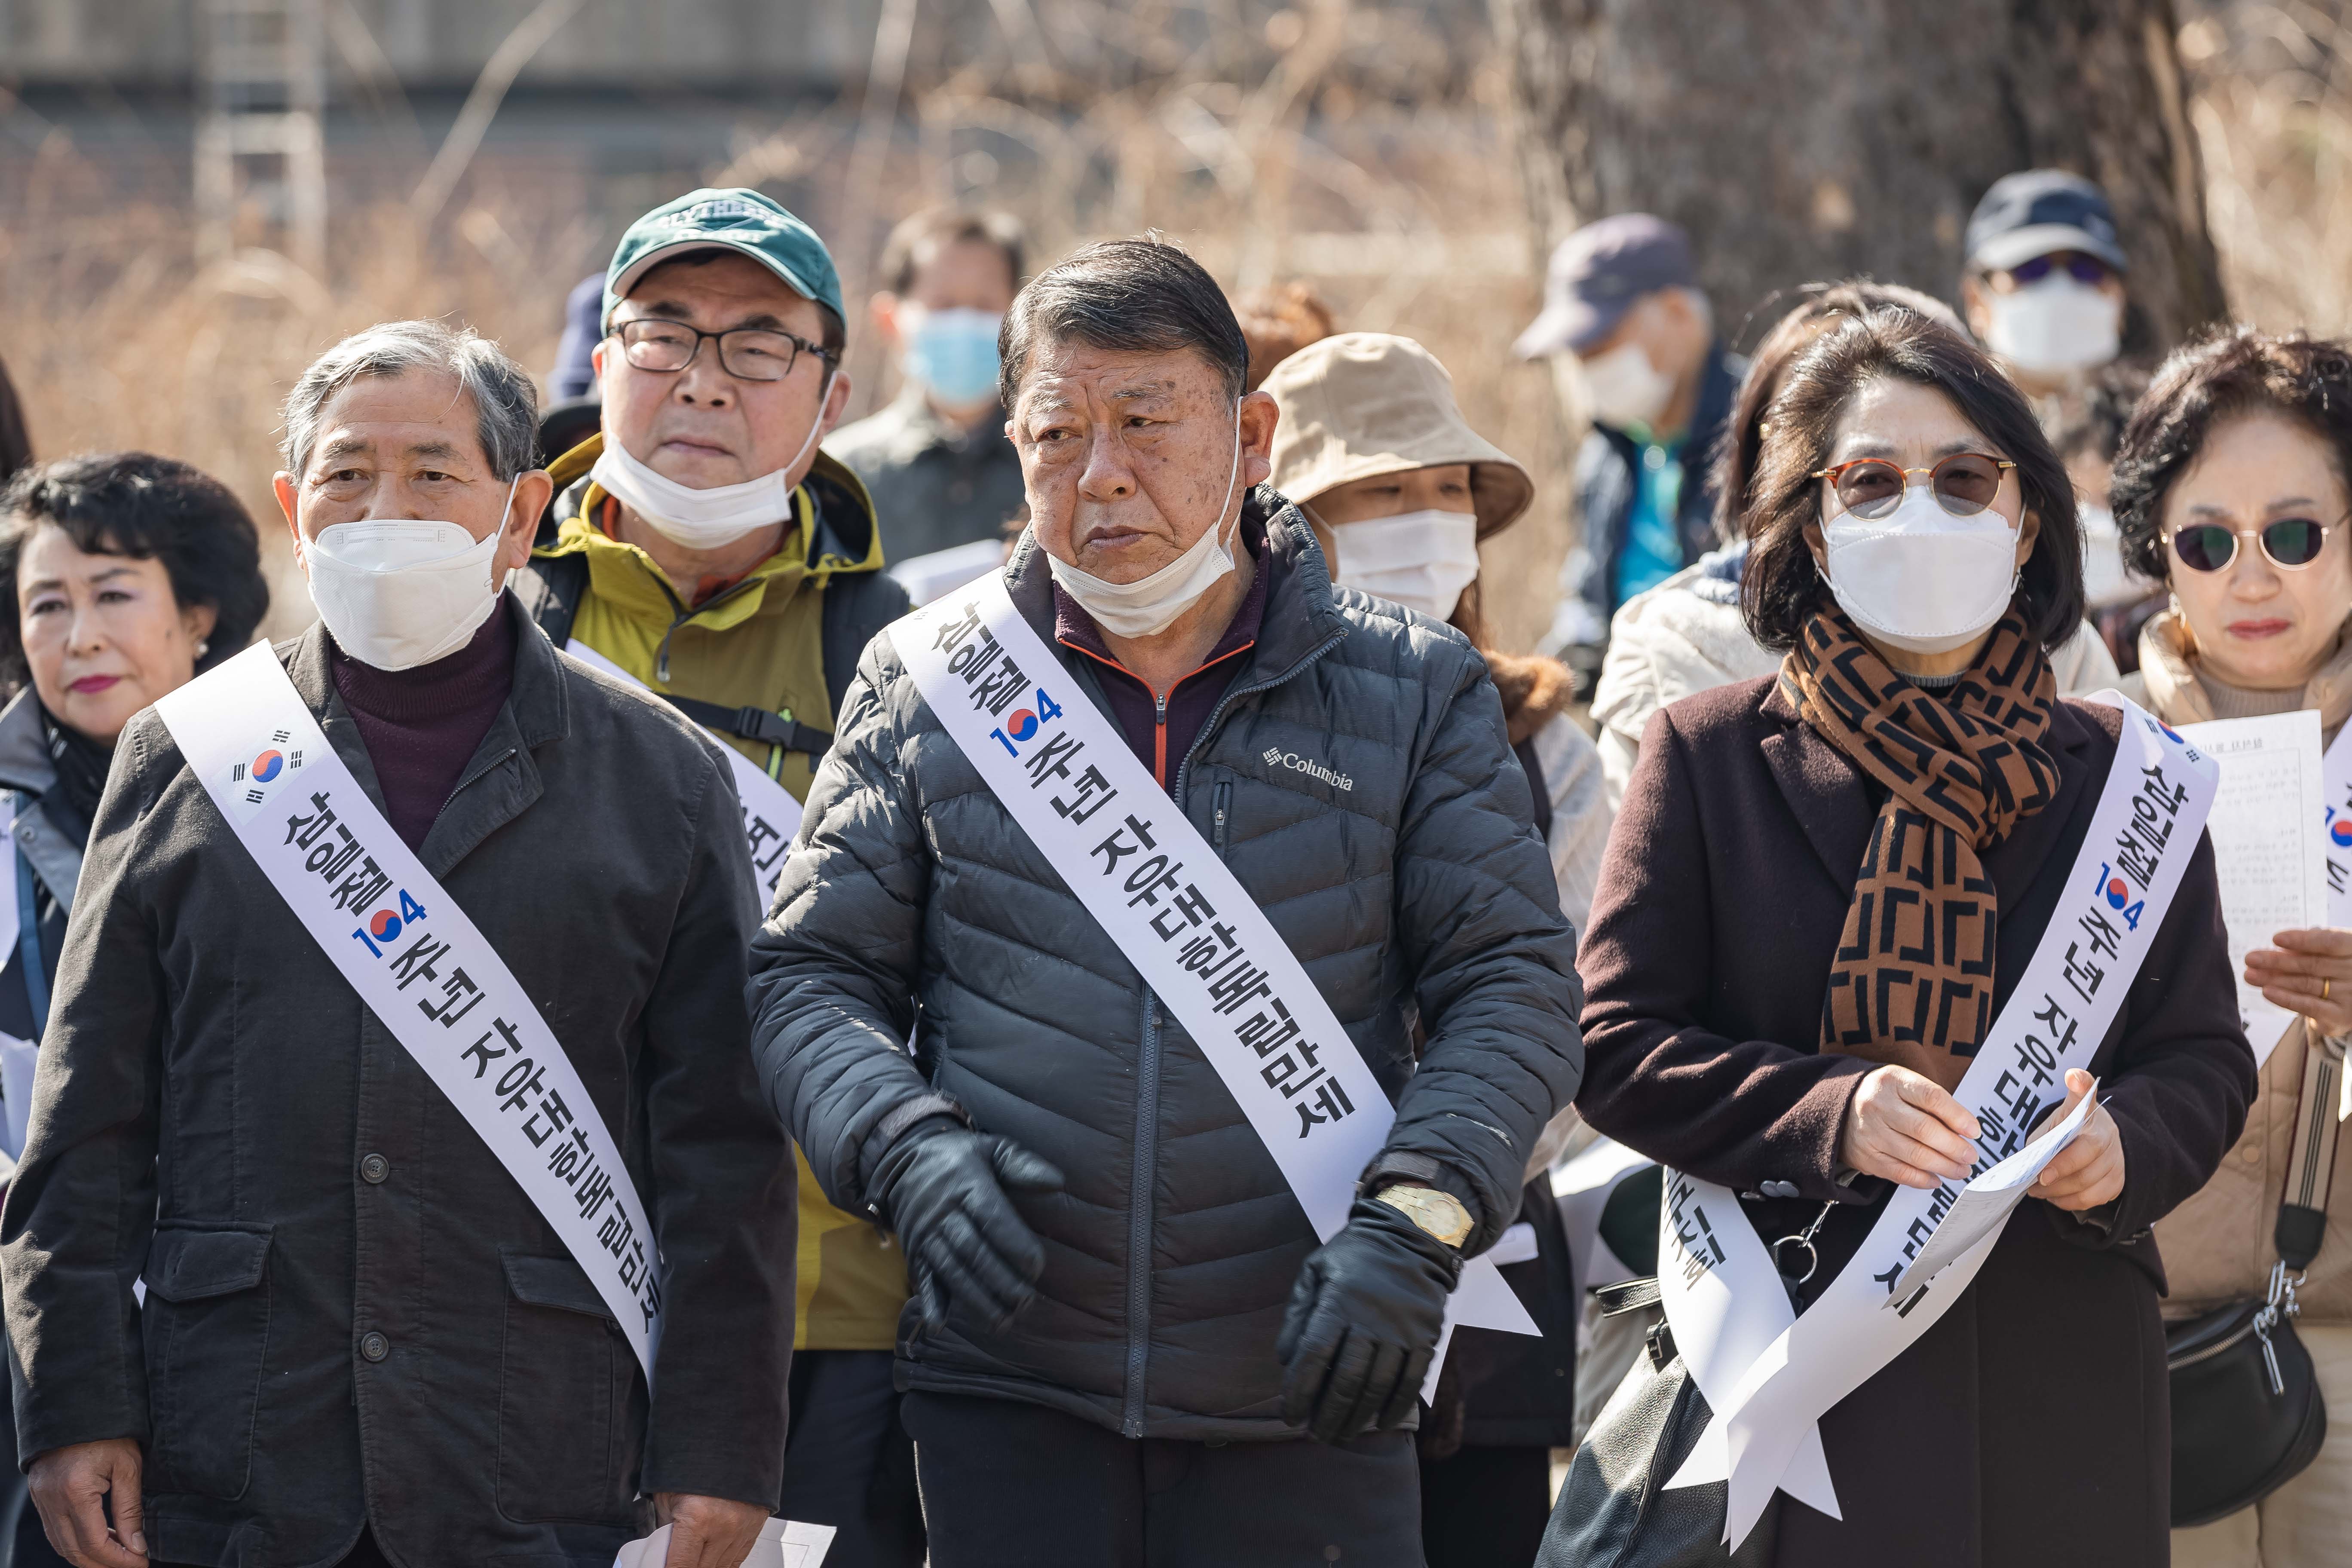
point(2231, 371)
point(1781, 587)
point(151, 509)
point(1818, 305)
point(16, 444)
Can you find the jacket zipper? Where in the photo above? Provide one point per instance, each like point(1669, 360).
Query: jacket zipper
point(1159, 738)
point(1141, 1209)
point(1143, 1177)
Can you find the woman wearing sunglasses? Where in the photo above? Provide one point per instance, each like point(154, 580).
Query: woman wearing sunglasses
point(2231, 487)
point(1823, 888)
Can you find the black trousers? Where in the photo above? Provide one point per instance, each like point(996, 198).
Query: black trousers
point(1486, 1507)
point(848, 1463)
point(1008, 1485)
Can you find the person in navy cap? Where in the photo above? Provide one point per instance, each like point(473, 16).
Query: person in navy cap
point(1626, 324)
point(2043, 288)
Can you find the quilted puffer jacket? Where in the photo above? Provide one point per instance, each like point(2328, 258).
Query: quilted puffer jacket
point(1415, 892)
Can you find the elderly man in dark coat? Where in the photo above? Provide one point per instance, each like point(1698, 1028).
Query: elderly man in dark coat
point(370, 1334)
point(1124, 1325)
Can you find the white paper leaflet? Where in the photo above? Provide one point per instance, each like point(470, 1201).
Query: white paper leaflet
point(772, 817)
point(2270, 830)
point(420, 965)
point(1985, 1205)
point(1173, 906)
point(2151, 814)
point(1719, 1288)
point(783, 1544)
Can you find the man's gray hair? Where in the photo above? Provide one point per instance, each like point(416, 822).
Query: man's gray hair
point(506, 404)
point(1127, 295)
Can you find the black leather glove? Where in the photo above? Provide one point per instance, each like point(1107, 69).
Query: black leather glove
point(1362, 1324)
point(941, 1190)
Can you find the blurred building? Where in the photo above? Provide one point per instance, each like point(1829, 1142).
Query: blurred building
point(429, 44)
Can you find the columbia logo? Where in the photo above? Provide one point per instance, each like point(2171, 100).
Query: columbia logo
point(1275, 757)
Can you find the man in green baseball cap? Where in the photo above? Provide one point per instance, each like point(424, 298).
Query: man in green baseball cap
point(701, 543)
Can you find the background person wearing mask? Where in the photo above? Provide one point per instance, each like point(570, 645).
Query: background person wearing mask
point(363, 1339)
point(2231, 487)
point(130, 574)
point(1687, 635)
point(1128, 1345)
point(2043, 288)
point(1373, 450)
point(1749, 1018)
point(1632, 337)
point(705, 545)
point(936, 459)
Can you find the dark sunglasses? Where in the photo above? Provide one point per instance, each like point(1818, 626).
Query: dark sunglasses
point(2290, 544)
point(2081, 268)
point(1964, 483)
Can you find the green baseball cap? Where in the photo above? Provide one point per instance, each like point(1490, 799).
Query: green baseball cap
point(739, 220)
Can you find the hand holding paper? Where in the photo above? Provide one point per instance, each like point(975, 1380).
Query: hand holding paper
point(2088, 1168)
point(1985, 1205)
point(2307, 972)
point(783, 1544)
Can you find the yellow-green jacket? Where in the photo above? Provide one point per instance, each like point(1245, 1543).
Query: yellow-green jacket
point(784, 638)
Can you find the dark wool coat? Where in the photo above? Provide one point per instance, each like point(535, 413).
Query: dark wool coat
point(353, 1313)
point(1417, 891)
point(2030, 1426)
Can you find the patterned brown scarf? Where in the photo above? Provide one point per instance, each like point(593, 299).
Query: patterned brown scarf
point(1912, 981)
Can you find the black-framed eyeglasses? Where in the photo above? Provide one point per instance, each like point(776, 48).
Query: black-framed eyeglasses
point(2290, 544)
point(747, 354)
point(2080, 264)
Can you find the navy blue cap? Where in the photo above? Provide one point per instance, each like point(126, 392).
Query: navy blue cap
point(2039, 213)
point(1597, 273)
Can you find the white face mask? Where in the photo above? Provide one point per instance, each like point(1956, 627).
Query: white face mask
point(398, 593)
point(1921, 578)
point(2056, 326)
point(1622, 387)
point(697, 520)
point(1150, 604)
point(1422, 560)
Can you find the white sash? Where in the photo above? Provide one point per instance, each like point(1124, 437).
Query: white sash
point(772, 817)
point(1722, 1295)
point(1176, 911)
point(17, 1057)
point(420, 965)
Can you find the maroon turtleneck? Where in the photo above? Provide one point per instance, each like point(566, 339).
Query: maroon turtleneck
point(422, 726)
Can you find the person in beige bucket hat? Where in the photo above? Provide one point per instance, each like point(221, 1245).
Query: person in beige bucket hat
point(1400, 491)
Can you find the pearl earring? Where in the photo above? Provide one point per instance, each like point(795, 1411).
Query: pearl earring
point(203, 647)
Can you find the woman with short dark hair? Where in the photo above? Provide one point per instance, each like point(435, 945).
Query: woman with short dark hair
point(1824, 887)
point(130, 574)
point(127, 573)
point(2231, 487)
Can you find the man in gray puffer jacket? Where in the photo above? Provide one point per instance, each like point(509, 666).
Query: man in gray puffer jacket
point(1123, 1325)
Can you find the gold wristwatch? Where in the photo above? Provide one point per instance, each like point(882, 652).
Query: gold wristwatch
point(1437, 1212)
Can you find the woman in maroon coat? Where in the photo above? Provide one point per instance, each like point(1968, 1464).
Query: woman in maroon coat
point(1913, 549)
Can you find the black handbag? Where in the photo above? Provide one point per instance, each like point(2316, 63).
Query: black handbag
point(2247, 1416)
point(1614, 1511)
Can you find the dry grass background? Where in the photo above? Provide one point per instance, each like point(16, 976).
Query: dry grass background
point(1361, 148)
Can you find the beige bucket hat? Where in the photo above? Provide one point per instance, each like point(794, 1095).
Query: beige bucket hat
point(1364, 404)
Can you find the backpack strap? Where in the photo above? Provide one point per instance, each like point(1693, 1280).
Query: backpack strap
point(856, 606)
point(550, 588)
point(2303, 1209)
